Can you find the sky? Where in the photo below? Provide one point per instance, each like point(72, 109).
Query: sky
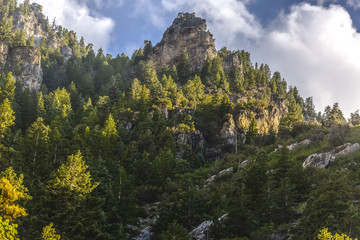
point(314, 44)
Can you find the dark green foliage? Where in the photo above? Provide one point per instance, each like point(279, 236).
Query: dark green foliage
point(157, 147)
point(184, 67)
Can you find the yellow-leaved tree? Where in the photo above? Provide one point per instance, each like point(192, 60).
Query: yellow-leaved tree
point(326, 235)
point(49, 233)
point(11, 191)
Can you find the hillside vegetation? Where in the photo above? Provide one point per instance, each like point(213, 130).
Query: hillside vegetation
point(94, 146)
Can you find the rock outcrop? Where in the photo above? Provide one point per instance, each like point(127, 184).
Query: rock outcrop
point(194, 140)
point(322, 160)
point(228, 131)
point(266, 119)
point(202, 231)
point(187, 31)
point(319, 160)
point(294, 145)
point(24, 63)
point(230, 61)
point(35, 24)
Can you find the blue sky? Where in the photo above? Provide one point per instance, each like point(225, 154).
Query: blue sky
point(315, 44)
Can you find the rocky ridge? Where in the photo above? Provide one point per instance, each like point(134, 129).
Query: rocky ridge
point(189, 33)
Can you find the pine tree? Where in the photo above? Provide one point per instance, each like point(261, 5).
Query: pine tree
point(184, 67)
point(73, 176)
point(7, 87)
point(109, 128)
point(7, 117)
point(6, 26)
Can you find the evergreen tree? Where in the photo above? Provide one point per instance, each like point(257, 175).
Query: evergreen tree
point(6, 26)
point(73, 176)
point(6, 116)
point(184, 67)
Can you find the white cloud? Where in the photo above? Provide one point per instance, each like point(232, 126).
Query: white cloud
point(151, 11)
point(76, 16)
point(316, 49)
point(229, 20)
point(353, 3)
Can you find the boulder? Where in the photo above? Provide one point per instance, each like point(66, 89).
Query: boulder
point(322, 160)
point(319, 160)
point(294, 145)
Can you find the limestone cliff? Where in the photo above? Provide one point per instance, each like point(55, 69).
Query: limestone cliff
point(25, 64)
point(25, 61)
point(187, 31)
point(35, 24)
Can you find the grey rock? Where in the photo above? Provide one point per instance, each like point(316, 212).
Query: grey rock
point(4, 50)
point(230, 169)
point(145, 234)
point(346, 149)
point(228, 131)
point(322, 160)
point(201, 232)
point(318, 160)
point(294, 145)
point(67, 52)
point(244, 163)
point(231, 61)
point(25, 64)
point(187, 31)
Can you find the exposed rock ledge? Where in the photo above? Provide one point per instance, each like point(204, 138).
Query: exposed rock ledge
point(322, 160)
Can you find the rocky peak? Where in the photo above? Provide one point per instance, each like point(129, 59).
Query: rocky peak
point(186, 32)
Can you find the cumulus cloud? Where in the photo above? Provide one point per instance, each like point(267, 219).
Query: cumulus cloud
point(229, 20)
point(151, 11)
point(76, 16)
point(315, 48)
point(353, 3)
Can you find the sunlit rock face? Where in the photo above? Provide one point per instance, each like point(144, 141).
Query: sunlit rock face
point(186, 32)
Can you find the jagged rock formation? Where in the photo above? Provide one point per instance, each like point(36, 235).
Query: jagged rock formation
point(187, 31)
point(34, 23)
point(193, 140)
point(322, 160)
point(24, 63)
point(230, 61)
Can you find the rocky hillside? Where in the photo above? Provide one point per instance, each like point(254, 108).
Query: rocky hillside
point(180, 139)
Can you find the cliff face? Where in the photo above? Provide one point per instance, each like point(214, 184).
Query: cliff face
point(25, 61)
point(35, 24)
point(187, 31)
point(25, 64)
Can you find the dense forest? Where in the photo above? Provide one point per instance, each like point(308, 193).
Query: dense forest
point(122, 148)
